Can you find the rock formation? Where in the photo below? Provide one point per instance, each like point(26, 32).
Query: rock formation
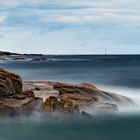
point(7, 53)
point(2, 53)
point(12, 99)
point(67, 97)
point(13, 58)
point(10, 83)
point(52, 104)
point(17, 97)
point(8, 56)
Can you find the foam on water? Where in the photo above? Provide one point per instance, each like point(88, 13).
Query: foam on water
point(132, 93)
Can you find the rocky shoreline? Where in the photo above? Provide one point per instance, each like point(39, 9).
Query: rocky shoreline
point(5, 53)
point(7, 56)
point(31, 58)
point(19, 97)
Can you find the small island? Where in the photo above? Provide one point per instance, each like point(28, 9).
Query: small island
point(19, 97)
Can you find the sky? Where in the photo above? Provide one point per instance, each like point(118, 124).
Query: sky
point(70, 26)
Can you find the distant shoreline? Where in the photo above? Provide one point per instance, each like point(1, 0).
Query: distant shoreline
point(6, 53)
point(11, 56)
point(5, 56)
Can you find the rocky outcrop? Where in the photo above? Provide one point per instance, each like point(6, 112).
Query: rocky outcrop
point(19, 104)
point(31, 58)
point(8, 56)
point(12, 99)
point(7, 53)
point(10, 83)
point(14, 58)
point(90, 91)
point(78, 98)
point(52, 104)
point(17, 97)
point(70, 107)
point(2, 53)
point(83, 96)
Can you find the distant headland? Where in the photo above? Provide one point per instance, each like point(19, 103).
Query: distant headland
point(5, 55)
point(2, 53)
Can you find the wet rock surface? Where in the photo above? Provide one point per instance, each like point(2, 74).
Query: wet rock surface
point(10, 83)
point(12, 99)
point(17, 97)
point(18, 106)
point(69, 98)
point(52, 104)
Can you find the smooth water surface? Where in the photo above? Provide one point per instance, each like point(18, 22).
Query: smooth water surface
point(119, 73)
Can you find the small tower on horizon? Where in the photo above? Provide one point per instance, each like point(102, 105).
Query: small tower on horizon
point(105, 51)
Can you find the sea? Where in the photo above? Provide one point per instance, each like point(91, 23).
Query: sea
point(115, 73)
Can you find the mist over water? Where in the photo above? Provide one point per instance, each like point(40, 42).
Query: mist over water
point(98, 128)
point(116, 73)
point(119, 74)
point(107, 70)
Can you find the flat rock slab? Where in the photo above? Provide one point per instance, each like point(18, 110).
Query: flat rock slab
point(82, 94)
point(15, 103)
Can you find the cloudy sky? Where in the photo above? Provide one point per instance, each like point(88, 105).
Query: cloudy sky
point(70, 26)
